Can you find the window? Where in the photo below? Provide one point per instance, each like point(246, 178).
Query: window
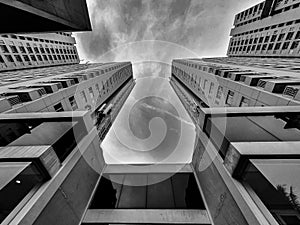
point(91, 92)
point(280, 37)
point(83, 96)
point(73, 103)
point(4, 49)
point(97, 87)
point(211, 88)
point(9, 58)
point(29, 49)
point(285, 45)
point(204, 84)
point(219, 92)
point(13, 49)
point(295, 44)
point(26, 58)
point(244, 102)
point(229, 99)
point(289, 36)
point(18, 58)
point(273, 38)
point(273, 183)
point(58, 107)
point(22, 49)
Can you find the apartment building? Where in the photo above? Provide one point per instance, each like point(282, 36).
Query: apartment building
point(268, 29)
point(218, 83)
point(23, 51)
point(47, 117)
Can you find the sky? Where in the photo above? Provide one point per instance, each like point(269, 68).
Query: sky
point(158, 30)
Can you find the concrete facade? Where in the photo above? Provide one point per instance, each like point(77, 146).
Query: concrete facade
point(37, 50)
point(269, 29)
point(44, 16)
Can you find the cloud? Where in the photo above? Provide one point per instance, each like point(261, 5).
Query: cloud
point(156, 30)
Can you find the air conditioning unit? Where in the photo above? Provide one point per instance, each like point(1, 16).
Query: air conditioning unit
point(77, 79)
point(48, 87)
point(236, 76)
point(58, 84)
point(279, 85)
point(252, 80)
point(14, 100)
point(291, 91)
point(26, 95)
point(71, 79)
point(64, 82)
point(226, 72)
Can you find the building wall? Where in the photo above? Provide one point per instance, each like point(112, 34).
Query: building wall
point(277, 33)
point(200, 78)
point(103, 81)
point(36, 50)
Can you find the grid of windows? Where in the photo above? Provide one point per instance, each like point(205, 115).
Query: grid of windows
point(280, 39)
point(42, 52)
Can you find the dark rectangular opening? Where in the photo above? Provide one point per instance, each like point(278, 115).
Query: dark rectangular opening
point(147, 191)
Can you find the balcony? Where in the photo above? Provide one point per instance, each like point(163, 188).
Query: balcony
point(259, 148)
point(40, 151)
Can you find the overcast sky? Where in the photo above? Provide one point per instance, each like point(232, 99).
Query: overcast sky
point(193, 27)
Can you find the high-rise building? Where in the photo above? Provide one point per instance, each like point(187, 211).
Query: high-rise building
point(22, 16)
point(37, 50)
point(50, 155)
point(246, 111)
point(271, 28)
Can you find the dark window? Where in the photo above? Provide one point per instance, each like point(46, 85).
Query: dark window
point(9, 58)
point(295, 44)
point(4, 49)
point(274, 183)
point(273, 38)
point(277, 46)
point(280, 37)
point(147, 191)
point(244, 102)
point(289, 36)
point(219, 92)
point(73, 103)
point(22, 49)
point(229, 99)
point(18, 58)
point(270, 47)
point(58, 107)
point(13, 49)
point(285, 45)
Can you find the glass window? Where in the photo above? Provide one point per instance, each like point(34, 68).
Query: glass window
point(58, 107)
point(147, 191)
point(229, 99)
point(285, 45)
point(204, 84)
point(220, 92)
point(276, 182)
point(211, 88)
point(83, 96)
point(17, 180)
point(91, 92)
point(244, 102)
point(73, 103)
